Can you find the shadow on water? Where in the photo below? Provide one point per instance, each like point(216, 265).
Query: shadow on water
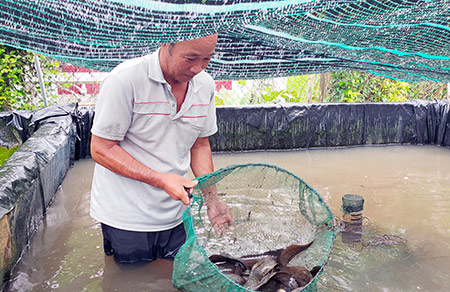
point(156, 276)
point(406, 191)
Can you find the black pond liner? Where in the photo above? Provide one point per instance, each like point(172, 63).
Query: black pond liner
point(52, 138)
point(31, 176)
point(300, 126)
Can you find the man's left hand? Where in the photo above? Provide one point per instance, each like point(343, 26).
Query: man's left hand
point(219, 215)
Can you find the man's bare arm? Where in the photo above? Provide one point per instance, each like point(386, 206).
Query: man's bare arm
point(201, 163)
point(201, 157)
point(109, 154)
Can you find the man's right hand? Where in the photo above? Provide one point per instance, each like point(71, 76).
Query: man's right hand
point(111, 155)
point(175, 185)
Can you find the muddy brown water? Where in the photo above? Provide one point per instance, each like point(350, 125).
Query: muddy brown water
point(407, 197)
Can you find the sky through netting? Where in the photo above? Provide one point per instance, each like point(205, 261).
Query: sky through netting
point(406, 40)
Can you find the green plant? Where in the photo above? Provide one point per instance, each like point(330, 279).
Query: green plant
point(347, 86)
point(265, 90)
point(19, 85)
point(260, 91)
point(5, 153)
point(355, 86)
point(297, 87)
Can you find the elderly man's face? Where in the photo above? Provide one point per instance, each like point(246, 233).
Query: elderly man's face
point(187, 59)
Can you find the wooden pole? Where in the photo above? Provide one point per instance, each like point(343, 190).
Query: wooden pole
point(448, 91)
point(324, 82)
point(322, 87)
point(310, 87)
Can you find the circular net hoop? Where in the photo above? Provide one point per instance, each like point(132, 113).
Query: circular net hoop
point(272, 209)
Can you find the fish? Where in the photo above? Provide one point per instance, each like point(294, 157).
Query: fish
point(301, 275)
point(282, 255)
point(287, 254)
point(288, 279)
point(228, 263)
point(260, 273)
point(233, 268)
point(238, 279)
point(268, 271)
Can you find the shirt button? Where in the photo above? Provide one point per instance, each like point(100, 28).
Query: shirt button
point(173, 105)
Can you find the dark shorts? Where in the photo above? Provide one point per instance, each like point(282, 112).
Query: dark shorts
point(138, 247)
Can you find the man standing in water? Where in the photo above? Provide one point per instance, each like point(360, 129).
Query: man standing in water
point(152, 121)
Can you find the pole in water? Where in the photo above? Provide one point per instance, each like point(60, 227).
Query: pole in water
point(37, 64)
point(352, 207)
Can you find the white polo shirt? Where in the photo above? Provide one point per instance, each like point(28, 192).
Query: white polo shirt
point(136, 107)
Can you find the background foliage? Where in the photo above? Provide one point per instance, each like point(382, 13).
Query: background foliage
point(346, 86)
point(354, 86)
point(19, 85)
point(5, 153)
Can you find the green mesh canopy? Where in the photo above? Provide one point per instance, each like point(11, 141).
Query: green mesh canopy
point(272, 209)
point(402, 39)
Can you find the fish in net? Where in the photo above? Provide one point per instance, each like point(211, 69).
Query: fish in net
point(282, 227)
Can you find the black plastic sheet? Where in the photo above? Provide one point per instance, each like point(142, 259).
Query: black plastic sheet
point(30, 177)
point(14, 128)
point(300, 126)
point(303, 126)
point(83, 119)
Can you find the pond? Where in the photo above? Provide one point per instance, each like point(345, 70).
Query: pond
point(405, 245)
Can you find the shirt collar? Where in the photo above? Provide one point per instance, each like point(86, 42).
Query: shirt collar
point(155, 72)
point(154, 68)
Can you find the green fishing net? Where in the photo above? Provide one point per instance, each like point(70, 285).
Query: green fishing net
point(406, 40)
point(272, 209)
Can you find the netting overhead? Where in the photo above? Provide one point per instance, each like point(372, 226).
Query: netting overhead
point(401, 39)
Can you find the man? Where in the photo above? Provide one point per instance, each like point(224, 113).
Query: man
point(153, 119)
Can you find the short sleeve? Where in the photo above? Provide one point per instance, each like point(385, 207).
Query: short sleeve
point(210, 127)
point(114, 109)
